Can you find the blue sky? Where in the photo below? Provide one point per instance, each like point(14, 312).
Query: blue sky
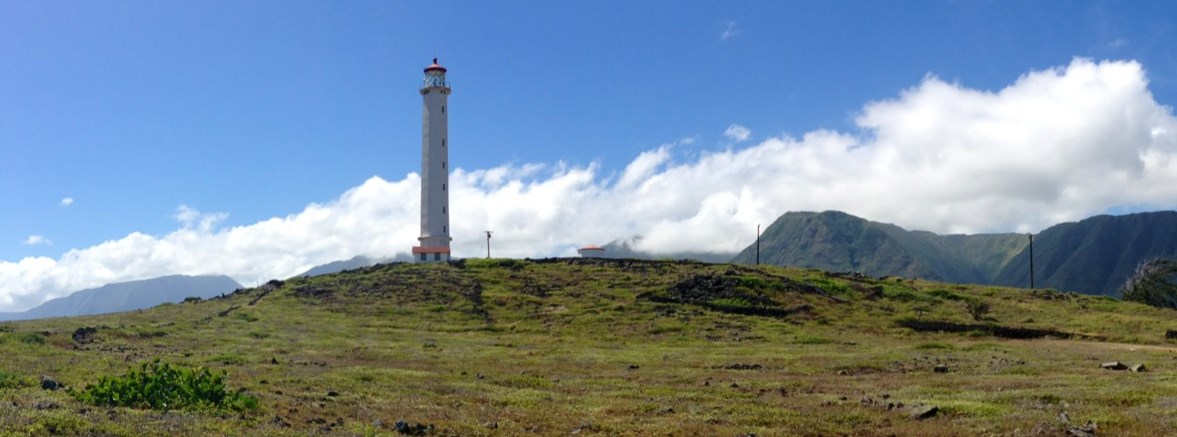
point(129, 119)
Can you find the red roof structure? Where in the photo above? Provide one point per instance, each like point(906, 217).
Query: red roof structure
point(435, 67)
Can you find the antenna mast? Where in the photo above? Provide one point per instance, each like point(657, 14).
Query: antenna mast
point(488, 243)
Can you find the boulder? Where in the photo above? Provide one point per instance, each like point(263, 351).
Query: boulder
point(48, 383)
point(1138, 368)
point(924, 412)
point(1114, 365)
point(1087, 430)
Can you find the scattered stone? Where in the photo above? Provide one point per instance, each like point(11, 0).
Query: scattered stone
point(480, 376)
point(894, 406)
point(707, 383)
point(273, 361)
point(583, 427)
point(742, 366)
point(85, 334)
point(378, 423)
point(940, 368)
point(664, 411)
point(1087, 430)
point(842, 373)
point(1138, 368)
point(867, 400)
point(734, 385)
point(925, 412)
point(332, 393)
point(1114, 365)
point(48, 383)
point(280, 422)
point(412, 428)
point(634, 367)
point(46, 405)
point(1171, 334)
point(555, 380)
point(491, 425)
point(1064, 417)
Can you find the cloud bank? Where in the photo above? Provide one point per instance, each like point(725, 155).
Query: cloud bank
point(1055, 145)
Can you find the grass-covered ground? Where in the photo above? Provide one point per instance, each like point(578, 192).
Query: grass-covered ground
point(611, 347)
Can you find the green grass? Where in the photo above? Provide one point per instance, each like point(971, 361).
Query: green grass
point(544, 347)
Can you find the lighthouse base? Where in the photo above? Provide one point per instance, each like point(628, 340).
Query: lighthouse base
point(424, 254)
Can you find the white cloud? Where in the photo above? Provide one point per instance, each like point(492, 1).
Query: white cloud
point(34, 240)
point(1056, 145)
point(737, 133)
point(729, 30)
point(67, 201)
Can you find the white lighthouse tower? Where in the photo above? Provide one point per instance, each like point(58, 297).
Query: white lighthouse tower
point(435, 173)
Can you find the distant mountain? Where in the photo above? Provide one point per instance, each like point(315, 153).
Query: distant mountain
point(128, 296)
point(350, 264)
point(1093, 256)
point(623, 248)
point(838, 241)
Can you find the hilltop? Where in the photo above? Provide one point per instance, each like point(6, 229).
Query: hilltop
point(606, 347)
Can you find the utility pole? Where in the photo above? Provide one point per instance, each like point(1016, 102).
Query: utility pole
point(488, 244)
point(758, 244)
point(1031, 260)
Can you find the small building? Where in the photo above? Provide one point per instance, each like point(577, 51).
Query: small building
point(591, 252)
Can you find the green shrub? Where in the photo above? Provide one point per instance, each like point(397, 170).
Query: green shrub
point(12, 380)
point(759, 283)
point(160, 386)
point(904, 296)
point(31, 338)
point(978, 308)
point(934, 345)
point(1153, 284)
point(811, 339)
point(944, 294)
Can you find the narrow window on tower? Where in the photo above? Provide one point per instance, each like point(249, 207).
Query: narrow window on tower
point(443, 165)
point(443, 142)
point(444, 229)
point(442, 187)
point(443, 109)
point(443, 210)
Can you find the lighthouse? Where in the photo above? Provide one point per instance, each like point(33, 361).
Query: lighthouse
point(435, 174)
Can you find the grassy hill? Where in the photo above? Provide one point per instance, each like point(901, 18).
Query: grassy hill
point(611, 347)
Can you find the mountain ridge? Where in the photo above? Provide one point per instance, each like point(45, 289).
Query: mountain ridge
point(1093, 256)
point(128, 296)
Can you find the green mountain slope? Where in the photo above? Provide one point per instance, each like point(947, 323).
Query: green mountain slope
point(838, 241)
point(1095, 255)
point(609, 347)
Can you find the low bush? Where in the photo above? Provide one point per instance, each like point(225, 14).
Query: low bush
point(944, 294)
point(161, 386)
point(978, 308)
point(12, 380)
